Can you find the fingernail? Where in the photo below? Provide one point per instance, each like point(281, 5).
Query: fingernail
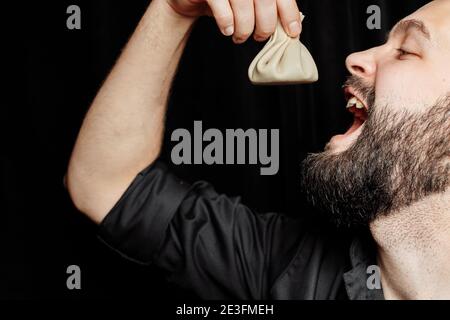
point(302, 17)
point(228, 31)
point(238, 40)
point(258, 38)
point(294, 28)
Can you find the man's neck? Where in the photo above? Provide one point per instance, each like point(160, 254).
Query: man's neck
point(413, 247)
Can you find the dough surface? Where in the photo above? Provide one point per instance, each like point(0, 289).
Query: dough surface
point(283, 60)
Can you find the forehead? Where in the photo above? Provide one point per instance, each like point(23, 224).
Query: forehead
point(436, 17)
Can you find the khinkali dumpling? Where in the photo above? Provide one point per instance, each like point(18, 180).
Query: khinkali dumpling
point(283, 60)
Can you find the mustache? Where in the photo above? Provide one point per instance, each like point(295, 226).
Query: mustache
point(365, 90)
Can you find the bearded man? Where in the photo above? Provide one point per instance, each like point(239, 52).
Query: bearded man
point(386, 179)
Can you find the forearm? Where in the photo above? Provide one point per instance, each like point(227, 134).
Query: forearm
point(122, 132)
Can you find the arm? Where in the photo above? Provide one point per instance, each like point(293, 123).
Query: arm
point(122, 132)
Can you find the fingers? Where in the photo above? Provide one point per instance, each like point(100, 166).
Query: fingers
point(240, 18)
point(265, 19)
point(244, 19)
point(290, 17)
point(222, 12)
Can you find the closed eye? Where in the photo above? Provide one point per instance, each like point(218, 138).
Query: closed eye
point(402, 53)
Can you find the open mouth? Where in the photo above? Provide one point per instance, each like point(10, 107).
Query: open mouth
point(358, 107)
point(359, 110)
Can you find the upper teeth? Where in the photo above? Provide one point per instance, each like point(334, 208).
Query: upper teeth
point(355, 102)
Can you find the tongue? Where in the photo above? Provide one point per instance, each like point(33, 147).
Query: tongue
point(356, 124)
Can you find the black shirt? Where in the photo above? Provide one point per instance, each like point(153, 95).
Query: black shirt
point(220, 249)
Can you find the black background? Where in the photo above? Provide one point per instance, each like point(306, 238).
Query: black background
point(42, 233)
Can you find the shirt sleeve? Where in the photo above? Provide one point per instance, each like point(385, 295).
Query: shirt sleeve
point(204, 241)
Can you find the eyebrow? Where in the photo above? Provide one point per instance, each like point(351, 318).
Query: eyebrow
point(405, 25)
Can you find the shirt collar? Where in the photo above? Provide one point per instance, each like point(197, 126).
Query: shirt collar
point(362, 255)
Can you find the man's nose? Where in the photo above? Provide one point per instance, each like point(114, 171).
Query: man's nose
point(362, 64)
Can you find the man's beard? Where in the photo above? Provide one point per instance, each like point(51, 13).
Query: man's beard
point(399, 158)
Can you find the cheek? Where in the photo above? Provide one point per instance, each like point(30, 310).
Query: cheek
point(407, 85)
